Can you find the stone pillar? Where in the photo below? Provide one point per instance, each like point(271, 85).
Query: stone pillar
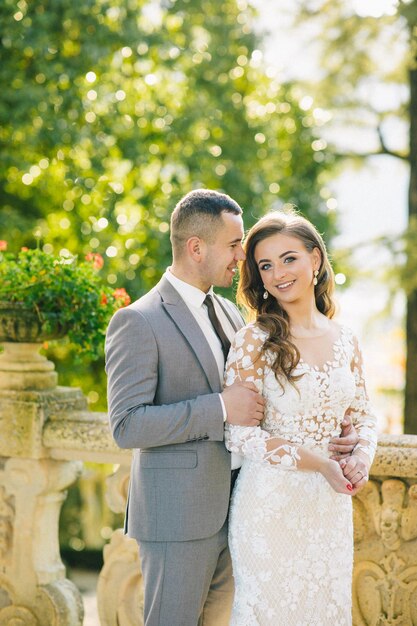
point(33, 587)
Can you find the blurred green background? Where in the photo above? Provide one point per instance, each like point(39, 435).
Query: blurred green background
point(111, 110)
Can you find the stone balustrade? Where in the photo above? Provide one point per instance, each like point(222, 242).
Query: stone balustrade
point(46, 432)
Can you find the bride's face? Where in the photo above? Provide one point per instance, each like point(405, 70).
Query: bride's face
point(286, 268)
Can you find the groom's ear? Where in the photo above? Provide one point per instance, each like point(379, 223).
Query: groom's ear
point(195, 248)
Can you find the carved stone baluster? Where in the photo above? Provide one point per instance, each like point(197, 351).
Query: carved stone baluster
point(33, 577)
point(33, 587)
point(119, 589)
point(385, 572)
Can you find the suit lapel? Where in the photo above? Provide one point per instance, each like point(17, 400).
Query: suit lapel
point(189, 328)
point(236, 323)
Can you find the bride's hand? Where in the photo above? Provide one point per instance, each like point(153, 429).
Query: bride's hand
point(333, 473)
point(356, 470)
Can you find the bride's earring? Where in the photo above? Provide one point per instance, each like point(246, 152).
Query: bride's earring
point(265, 294)
point(315, 281)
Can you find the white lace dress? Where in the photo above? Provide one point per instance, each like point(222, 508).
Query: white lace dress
point(291, 536)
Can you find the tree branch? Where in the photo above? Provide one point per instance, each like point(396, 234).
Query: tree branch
point(365, 155)
point(386, 150)
point(383, 150)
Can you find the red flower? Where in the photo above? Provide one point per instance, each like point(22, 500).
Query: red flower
point(96, 259)
point(3, 244)
point(121, 296)
point(24, 249)
point(103, 299)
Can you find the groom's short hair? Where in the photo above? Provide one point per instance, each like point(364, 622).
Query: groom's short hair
point(198, 214)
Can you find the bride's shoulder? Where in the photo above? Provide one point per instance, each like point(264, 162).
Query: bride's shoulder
point(339, 329)
point(253, 329)
point(247, 347)
point(344, 333)
point(251, 333)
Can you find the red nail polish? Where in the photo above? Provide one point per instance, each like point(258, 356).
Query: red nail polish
point(349, 487)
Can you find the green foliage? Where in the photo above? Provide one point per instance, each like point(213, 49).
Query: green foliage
point(117, 112)
point(69, 290)
point(110, 111)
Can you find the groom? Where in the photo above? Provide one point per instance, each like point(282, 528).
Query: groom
point(165, 356)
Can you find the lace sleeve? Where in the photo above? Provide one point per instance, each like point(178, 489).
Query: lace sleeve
point(246, 362)
point(360, 411)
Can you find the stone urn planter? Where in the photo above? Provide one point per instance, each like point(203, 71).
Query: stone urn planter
point(18, 324)
point(22, 332)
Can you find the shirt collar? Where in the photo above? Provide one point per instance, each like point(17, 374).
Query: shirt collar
point(191, 295)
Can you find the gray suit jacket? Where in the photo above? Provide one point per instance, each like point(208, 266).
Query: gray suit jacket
point(163, 386)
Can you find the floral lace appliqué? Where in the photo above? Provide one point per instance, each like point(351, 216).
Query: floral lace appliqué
point(290, 534)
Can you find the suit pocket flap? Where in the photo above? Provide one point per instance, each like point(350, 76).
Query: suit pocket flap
point(168, 460)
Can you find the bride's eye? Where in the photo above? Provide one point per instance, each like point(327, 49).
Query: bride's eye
point(265, 266)
point(289, 259)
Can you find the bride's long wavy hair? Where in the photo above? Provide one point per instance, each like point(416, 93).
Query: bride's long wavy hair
point(268, 313)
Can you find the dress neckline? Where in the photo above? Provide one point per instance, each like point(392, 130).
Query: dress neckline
point(336, 345)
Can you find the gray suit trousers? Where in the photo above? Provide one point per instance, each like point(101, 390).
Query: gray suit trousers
point(192, 583)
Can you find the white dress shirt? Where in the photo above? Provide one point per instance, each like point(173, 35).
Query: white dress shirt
point(194, 299)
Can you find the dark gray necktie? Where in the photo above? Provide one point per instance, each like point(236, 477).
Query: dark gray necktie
point(217, 326)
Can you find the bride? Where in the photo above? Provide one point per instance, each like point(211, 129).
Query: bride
point(291, 514)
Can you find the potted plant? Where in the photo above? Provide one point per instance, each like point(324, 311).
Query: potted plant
point(43, 296)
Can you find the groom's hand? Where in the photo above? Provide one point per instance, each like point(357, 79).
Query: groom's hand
point(342, 447)
point(244, 404)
